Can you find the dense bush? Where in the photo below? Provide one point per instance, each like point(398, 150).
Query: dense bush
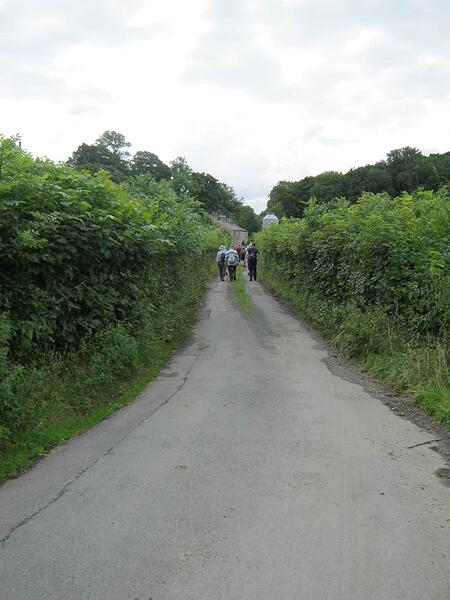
point(96, 279)
point(79, 254)
point(379, 251)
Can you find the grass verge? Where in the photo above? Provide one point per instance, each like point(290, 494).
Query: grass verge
point(242, 297)
point(415, 367)
point(34, 443)
point(70, 394)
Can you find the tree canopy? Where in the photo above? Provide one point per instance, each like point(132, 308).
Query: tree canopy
point(403, 170)
point(98, 157)
point(114, 141)
point(148, 163)
point(215, 196)
point(136, 172)
point(248, 219)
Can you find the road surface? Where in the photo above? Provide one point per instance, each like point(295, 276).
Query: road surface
point(248, 470)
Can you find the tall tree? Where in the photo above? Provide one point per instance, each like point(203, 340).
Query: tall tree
point(283, 199)
point(94, 158)
point(404, 165)
point(144, 163)
point(439, 170)
point(115, 142)
point(288, 198)
point(215, 196)
point(248, 219)
point(370, 178)
point(328, 185)
point(181, 180)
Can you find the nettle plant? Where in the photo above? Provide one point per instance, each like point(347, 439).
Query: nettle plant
point(379, 251)
point(79, 253)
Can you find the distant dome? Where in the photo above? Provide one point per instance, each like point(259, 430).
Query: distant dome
point(269, 219)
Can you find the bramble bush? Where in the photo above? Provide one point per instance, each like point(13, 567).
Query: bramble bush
point(94, 279)
point(373, 276)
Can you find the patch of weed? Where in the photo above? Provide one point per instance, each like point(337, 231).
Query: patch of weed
point(242, 297)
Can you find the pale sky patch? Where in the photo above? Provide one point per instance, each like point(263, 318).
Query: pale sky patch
point(252, 91)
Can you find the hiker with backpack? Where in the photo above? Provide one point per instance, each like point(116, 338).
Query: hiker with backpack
point(232, 260)
point(252, 261)
point(221, 262)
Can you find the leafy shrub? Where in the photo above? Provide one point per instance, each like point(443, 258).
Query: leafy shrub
point(118, 349)
point(78, 253)
point(93, 278)
point(380, 251)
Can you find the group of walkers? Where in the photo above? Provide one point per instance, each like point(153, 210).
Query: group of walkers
point(228, 260)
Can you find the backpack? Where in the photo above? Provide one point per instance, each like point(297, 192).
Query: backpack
point(233, 259)
point(222, 257)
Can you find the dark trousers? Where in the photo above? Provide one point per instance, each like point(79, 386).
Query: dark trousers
point(252, 269)
point(232, 272)
point(222, 270)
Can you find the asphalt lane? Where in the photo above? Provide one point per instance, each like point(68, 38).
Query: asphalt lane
point(248, 470)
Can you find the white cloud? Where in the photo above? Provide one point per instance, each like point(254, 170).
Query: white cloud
point(253, 91)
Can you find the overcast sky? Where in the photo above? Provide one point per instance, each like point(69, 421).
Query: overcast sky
point(251, 91)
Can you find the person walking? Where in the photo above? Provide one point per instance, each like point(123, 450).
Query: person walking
point(232, 260)
point(242, 252)
point(221, 261)
point(252, 261)
point(246, 258)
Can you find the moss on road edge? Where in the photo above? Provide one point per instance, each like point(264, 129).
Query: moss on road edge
point(243, 299)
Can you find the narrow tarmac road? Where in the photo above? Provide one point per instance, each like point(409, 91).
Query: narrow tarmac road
point(247, 470)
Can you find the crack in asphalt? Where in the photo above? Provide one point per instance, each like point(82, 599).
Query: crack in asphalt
point(109, 451)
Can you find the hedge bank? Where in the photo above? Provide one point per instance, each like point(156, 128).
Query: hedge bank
point(97, 285)
point(374, 278)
